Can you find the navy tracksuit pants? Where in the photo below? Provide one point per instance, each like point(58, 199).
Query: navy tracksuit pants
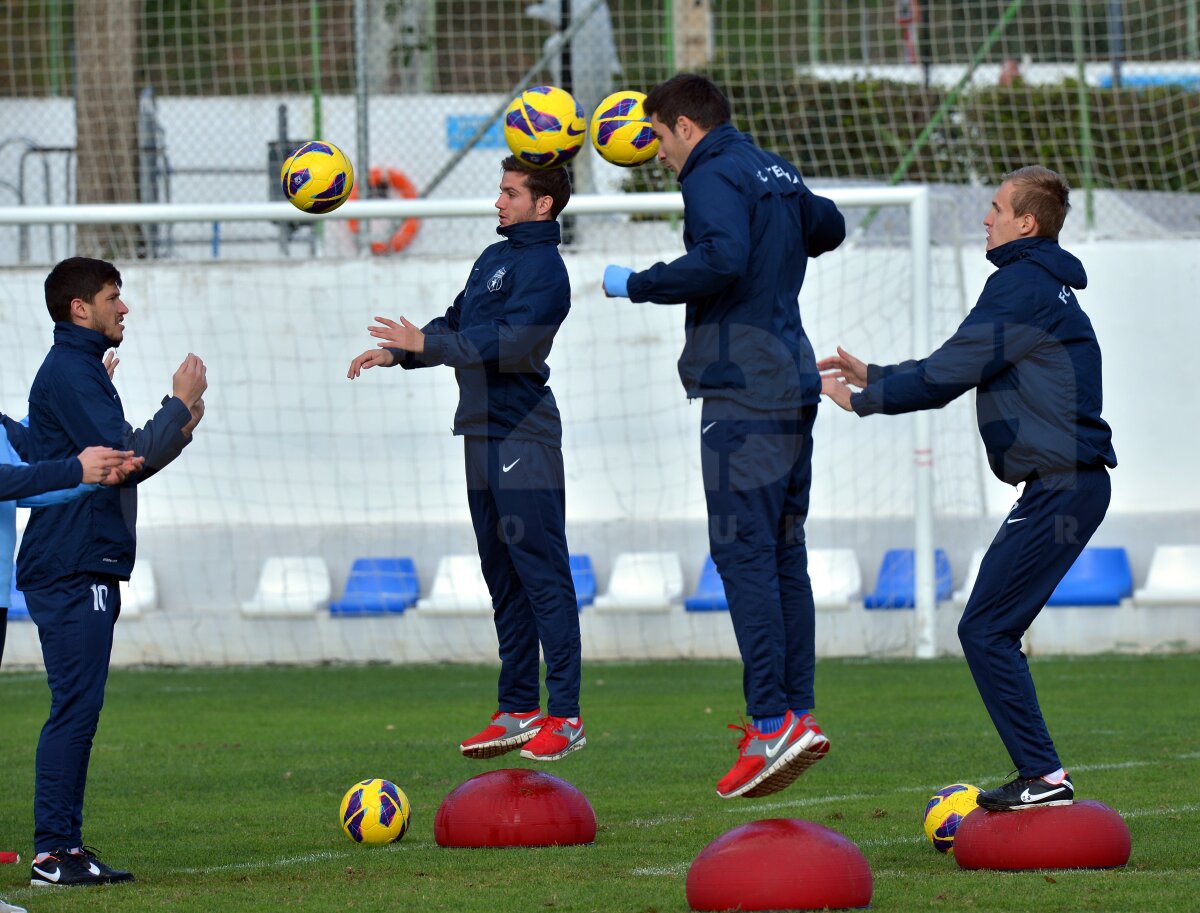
point(516, 492)
point(75, 617)
point(1038, 542)
point(757, 469)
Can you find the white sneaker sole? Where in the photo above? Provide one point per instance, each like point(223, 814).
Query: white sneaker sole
point(574, 746)
point(784, 772)
point(497, 746)
point(1021, 808)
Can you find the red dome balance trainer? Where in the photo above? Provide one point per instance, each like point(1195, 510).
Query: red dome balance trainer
point(779, 864)
point(514, 807)
point(1083, 835)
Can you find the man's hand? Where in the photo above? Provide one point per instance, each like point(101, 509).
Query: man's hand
point(616, 281)
point(103, 465)
point(110, 362)
point(402, 335)
point(846, 367)
point(372, 358)
point(197, 413)
point(118, 475)
point(190, 382)
point(836, 390)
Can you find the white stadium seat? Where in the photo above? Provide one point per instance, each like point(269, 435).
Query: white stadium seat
point(290, 586)
point(643, 582)
point(961, 595)
point(836, 577)
point(140, 592)
point(458, 588)
point(1174, 577)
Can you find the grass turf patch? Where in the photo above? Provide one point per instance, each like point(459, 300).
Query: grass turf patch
point(219, 788)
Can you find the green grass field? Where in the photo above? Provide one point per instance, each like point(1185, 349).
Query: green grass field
point(220, 787)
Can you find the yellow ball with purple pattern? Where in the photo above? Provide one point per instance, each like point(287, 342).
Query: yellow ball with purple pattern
point(945, 812)
point(375, 811)
point(621, 130)
point(317, 177)
point(544, 126)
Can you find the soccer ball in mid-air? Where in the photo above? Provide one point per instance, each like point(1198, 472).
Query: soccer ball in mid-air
point(621, 130)
point(544, 126)
point(375, 811)
point(317, 177)
point(945, 811)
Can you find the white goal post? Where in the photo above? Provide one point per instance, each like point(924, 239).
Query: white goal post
point(915, 199)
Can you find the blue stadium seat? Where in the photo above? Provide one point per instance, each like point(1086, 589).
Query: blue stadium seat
point(710, 591)
point(378, 586)
point(584, 576)
point(895, 588)
point(1099, 576)
point(17, 609)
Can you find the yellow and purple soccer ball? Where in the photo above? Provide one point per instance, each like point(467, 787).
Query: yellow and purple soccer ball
point(945, 812)
point(544, 126)
point(317, 177)
point(621, 130)
point(375, 811)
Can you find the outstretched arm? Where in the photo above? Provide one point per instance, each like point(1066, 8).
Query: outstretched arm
point(537, 305)
point(54, 481)
point(163, 437)
point(372, 358)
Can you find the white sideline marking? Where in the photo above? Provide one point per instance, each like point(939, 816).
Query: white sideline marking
point(671, 871)
point(1170, 810)
point(797, 803)
point(287, 860)
point(1118, 765)
point(661, 819)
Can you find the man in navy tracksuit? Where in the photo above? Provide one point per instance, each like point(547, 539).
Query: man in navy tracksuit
point(1030, 350)
point(73, 556)
point(40, 485)
point(497, 336)
point(750, 226)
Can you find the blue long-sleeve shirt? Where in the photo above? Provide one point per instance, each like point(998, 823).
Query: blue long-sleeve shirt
point(73, 405)
point(25, 485)
point(750, 226)
point(497, 336)
point(1031, 351)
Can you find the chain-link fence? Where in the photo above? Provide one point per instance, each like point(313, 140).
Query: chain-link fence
point(155, 101)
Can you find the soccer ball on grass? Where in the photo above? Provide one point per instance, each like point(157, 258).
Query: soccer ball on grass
point(621, 130)
point(544, 126)
point(317, 177)
point(375, 811)
point(945, 811)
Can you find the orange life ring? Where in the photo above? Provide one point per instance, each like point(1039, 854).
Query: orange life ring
point(398, 184)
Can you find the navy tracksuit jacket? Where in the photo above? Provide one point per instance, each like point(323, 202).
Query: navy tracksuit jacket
point(1031, 353)
point(72, 559)
point(750, 226)
point(497, 335)
point(23, 485)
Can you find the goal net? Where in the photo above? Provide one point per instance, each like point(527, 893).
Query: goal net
point(188, 114)
point(295, 462)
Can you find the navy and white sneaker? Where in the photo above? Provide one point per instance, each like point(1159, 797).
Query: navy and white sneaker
point(114, 876)
point(64, 869)
point(1027, 792)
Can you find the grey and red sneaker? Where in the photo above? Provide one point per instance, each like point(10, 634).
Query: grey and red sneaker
point(556, 739)
point(768, 763)
point(505, 732)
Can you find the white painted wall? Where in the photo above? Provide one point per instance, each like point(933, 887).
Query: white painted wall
point(287, 439)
